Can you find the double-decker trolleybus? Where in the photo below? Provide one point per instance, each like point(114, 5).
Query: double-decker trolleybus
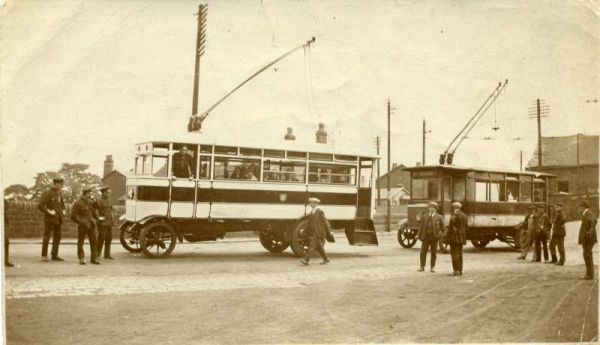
point(495, 201)
point(199, 191)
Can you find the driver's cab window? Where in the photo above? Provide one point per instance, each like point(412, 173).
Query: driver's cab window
point(184, 160)
point(160, 159)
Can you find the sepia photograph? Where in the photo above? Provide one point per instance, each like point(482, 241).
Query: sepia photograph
point(299, 172)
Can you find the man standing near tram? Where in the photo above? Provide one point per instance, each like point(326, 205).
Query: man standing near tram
point(558, 235)
point(83, 214)
point(52, 206)
point(587, 238)
point(105, 213)
point(541, 235)
point(318, 229)
point(456, 236)
point(432, 229)
point(529, 226)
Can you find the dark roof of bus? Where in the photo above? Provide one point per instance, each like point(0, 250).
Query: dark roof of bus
point(459, 168)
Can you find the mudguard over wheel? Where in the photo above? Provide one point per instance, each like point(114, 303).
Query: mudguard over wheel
point(299, 242)
point(407, 237)
point(271, 240)
point(158, 240)
point(130, 239)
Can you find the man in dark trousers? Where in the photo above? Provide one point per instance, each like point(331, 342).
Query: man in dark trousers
point(7, 262)
point(456, 236)
point(529, 226)
point(52, 206)
point(105, 213)
point(318, 228)
point(432, 229)
point(183, 163)
point(558, 235)
point(541, 235)
point(587, 238)
point(83, 214)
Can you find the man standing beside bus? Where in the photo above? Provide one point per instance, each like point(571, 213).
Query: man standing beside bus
point(528, 227)
point(52, 206)
point(558, 235)
point(105, 212)
point(541, 235)
point(432, 229)
point(82, 213)
point(456, 236)
point(587, 238)
point(318, 228)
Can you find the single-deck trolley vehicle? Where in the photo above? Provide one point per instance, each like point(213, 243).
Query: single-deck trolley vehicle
point(200, 191)
point(495, 201)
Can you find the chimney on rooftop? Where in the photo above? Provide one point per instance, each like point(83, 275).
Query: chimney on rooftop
point(108, 165)
point(321, 134)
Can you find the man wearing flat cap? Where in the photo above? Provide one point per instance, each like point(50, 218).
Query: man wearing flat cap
point(318, 228)
point(558, 235)
point(432, 230)
point(83, 214)
point(52, 206)
point(105, 222)
point(587, 238)
point(456, 236)
point(529, 226)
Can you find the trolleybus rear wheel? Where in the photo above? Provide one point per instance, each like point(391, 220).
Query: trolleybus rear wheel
point(271, 240)
point(407, 237)
point(130, 239)
point(300, 241)
point(479, 243)
point(158, 240)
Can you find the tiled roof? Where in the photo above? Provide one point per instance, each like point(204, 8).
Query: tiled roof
point(562, 151)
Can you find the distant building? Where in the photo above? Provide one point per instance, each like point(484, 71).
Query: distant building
point(115, 180)
point(398, 196)
point(108, 165)
point(399, 178)
point(574, 159)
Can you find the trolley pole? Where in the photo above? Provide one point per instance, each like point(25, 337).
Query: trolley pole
point(388, 226)
point(539, 124)
point(521, 160)
point(425, 131)
point(378, 145)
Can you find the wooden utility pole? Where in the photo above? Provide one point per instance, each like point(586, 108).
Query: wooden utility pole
point(378, 145)
point(578, 167)
point(425, 131)
point(521, 161)
point(388, 178)
point(538, 111)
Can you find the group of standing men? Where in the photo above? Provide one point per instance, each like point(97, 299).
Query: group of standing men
point(94, 220)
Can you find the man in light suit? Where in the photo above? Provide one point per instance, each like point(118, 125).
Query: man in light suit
point(432, 230)
point(318, 228)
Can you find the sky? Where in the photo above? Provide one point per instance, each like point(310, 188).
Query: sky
point(84, 79)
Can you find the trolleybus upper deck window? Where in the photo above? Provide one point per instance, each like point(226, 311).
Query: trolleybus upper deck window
point(426, 188)
point(480, 191)
point(284, 171)
point(458, 189)
point(539, 190)
point(512, 188)
point(526, 188)
point(236, 168)
point(184, 160)
point(331, 173)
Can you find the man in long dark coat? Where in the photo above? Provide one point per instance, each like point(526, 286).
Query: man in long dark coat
point(541, 235)
point(52, 206)
point(83, 214)
point(456, 236)
point(318, 228)
point(432, 230)
point(587, 238)
point(558, 235)
point(105, 213)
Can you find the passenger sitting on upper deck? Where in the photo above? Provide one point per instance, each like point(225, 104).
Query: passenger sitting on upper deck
point(511, 197)
point(182, 163)
point(250, 176)
point(236, 174)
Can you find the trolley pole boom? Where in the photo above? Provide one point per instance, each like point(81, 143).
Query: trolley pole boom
point(199, 118)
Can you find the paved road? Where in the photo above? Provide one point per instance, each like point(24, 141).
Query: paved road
point(235, 292)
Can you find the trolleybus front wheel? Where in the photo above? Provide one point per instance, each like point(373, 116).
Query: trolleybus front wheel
point(479, 243)
point(299, 243)
point(130, 239)
point(407, 237)
point(158, 240)
point(271, 240)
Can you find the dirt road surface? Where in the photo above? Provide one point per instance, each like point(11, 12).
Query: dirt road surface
point(233, 291)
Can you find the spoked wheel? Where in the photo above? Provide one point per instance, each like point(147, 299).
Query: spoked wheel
point(407, 237)
point(479, 243)
point(130, 239)
point(158, 240)
point(272, 240)
point(300, 241)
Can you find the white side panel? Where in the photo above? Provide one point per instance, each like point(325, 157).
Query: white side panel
point(148, 182)
point(202, 210)
point(130, 206)
point(249, 185)
point(184, 183)
point(492, 220)
point(146, 208)
point(333, 212)
point(182, 209)
point(332, 189)
point(256, 211)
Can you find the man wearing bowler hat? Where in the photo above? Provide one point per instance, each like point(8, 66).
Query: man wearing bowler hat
point(432, 230)
point(83, 213)
point(587, 238)
point(105, 213)
point(318, 228)
point(558, 235)
point(456, 236)
point(52, 206)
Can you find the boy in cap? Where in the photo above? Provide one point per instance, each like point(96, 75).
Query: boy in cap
point(318, 228)
point(587, 238)
point(52, 206)
point(558, 235)
point(105, 222)
point(83, 214)
point(432, 229)
point(456, 235)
